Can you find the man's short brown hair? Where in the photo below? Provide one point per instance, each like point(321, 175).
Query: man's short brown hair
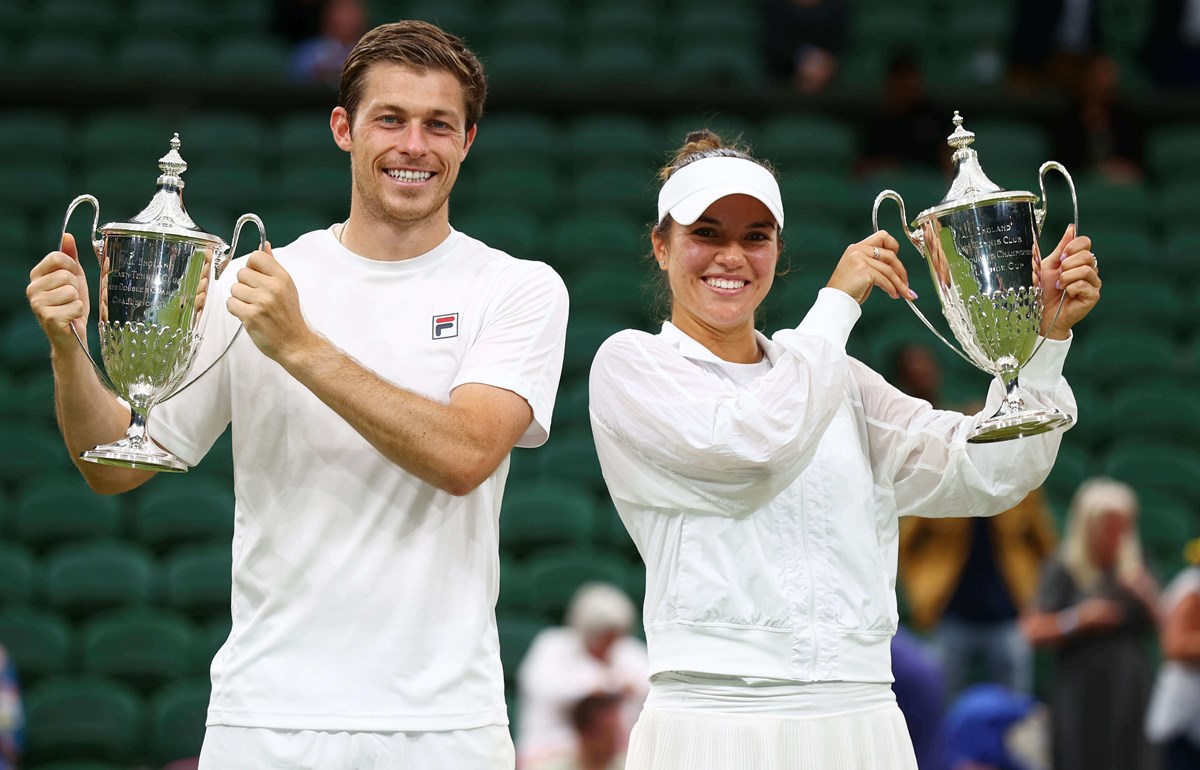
point(422, 46)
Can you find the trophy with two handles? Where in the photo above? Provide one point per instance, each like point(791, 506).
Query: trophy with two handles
point(155, 274)
point(981, 243)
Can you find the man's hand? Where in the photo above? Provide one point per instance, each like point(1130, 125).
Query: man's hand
point(265, 300)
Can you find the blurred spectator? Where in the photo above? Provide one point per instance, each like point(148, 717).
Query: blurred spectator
point(921, 695)
point(597, 723)
point(1173, 720)
point(1097, 132)
point(990, 727)
point(910, 129)
point(319, 59)
point(918, 373)
point(803, 40)
point(12, 714)
point(1172, 52)
point(1051, 39)
point(592, 654)
point(1095, 611)
point(967, 580)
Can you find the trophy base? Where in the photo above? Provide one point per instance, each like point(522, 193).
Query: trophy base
point(1003, 427)
point(143, 456)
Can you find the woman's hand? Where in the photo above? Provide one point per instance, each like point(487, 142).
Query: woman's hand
point(869, 263)
point(1070, 275)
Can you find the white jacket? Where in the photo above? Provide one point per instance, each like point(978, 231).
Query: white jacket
point(766, 506)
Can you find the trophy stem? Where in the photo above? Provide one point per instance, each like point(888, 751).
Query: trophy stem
point(137, 449)
point(1014, 420)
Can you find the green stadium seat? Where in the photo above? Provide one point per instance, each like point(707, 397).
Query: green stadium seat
point(506, 135)
point(1143, 305)
point(797, 143)
point(55, 55)
point(177, 716)
point(514, 588)
point(611, 533)
point(616, 64)
point(582, 237)
point(1164, 411)
point(218, 463)
point(212, 634)
point(516, 65)
point(516, 634)
point(41, 643)
point(719, 24)
point(83, 716)
point(172, 511)
point(56, 509)
point(1073, 466)
point(1165, 530)
point(571, 458)
point(42, 134)
point(197, 578)
point(533, 182)
point(585, 334)
point(156, 59)
point(23, 344)
point(85, 578)
point(244, 187)
point(818, 196)
point(528, 21)
point(29, 451)
point(287, 223)
point(30, 187)
point(228, 138)
point(549, 513)
point(304, 138)
point(1173, 152)
point(1108, 359)
point(155, 19)
point(628, 23)
point(732, 128)
point(509, 229)
point(142, 647)
point(1013, 150)
point(727, 67)
point(252, 59)
point(131, 139)
point(1169, 467)
point(622, 291)
point(632, 137)
point(323, 187)
point(458, 18)
point(887, 29)
point(16, 574)
point(123, 189)
point(555, 575)
point(615, 186)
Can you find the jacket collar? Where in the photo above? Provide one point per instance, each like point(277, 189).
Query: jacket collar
point(690, 348)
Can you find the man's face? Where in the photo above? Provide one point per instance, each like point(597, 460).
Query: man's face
point(406, 144)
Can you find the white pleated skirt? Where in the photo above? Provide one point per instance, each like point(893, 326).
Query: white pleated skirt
point(874, 738)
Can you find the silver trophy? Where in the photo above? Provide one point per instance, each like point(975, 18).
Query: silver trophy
point(981, 242)
point(155, 274)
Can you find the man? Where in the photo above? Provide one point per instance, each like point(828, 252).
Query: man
point(390, 365)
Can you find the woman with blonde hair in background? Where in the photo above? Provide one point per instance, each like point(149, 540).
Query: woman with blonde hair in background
point(1173, 721)
point(1095, 610)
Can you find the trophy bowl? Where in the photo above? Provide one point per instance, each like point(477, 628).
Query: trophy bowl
point(155, 273)
point(981, 243)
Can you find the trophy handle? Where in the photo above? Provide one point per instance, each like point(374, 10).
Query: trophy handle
point(1039, 216)
point(219, 264)
point(96, 246)
point(918, 239)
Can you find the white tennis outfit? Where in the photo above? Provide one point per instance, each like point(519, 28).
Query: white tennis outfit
point(363, 598)
point(764, 499)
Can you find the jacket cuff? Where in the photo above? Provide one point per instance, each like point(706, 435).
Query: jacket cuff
point(832, 316)
point(1044, 370)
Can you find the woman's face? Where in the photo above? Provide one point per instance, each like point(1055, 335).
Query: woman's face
point(721, 266)
point(1104, 538)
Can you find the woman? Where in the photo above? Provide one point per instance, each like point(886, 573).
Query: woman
point(761, 480)
point(1096, 610)
point(1174, 716)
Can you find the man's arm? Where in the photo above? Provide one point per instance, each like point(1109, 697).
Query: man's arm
point(454, 446)
point(88, 414)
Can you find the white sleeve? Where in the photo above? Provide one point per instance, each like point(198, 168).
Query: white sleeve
point(722, 449)
point(923, 455)
point(520, 346)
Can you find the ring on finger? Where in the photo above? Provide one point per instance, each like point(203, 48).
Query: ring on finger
point(875, 252)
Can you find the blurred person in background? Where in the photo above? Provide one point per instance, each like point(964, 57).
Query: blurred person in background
point(601, 735)
point(593, 653)
point(803, 41)
point(762, 480)
point(1172, 50)
point(12, 714)
point(1095, 610)
point(1173, 719)
point(319, 59)
point(1096, 132)
point(909, 130)
point(968, 579)
point(1051, 40)
point(920, 688)
point(990, 727)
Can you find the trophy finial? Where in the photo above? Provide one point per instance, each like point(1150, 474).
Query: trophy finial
point(172, 164)
point(961, 137)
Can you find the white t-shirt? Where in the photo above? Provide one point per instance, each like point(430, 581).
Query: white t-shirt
point(363, 597)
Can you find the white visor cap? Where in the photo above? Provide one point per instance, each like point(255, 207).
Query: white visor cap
point(692, 189)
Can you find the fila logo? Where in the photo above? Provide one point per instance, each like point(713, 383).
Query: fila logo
point(445, 326)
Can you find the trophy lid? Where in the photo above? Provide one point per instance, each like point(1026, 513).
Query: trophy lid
point(165, 215)
point(971, 187)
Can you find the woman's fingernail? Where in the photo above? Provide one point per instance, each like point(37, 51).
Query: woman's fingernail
point(1058, 284)
point(912, 294)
